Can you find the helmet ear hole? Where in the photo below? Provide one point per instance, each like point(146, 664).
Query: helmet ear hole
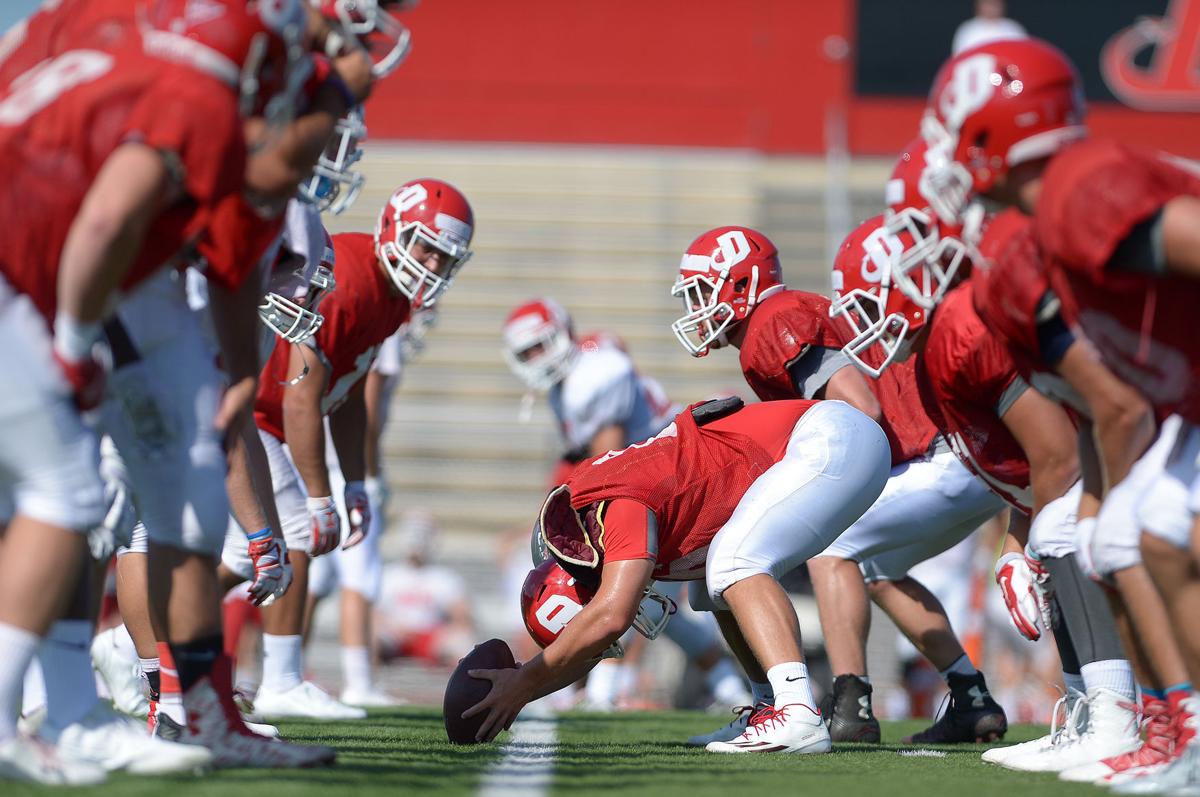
point(740, 285)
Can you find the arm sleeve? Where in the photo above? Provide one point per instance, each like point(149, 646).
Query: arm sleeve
point(628, 531)
point(1010, 395)
point(813, 369)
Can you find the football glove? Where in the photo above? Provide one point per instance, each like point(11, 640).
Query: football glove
point(1016, 582)
point(326, 525)
point(272, 573)
point(358, 513)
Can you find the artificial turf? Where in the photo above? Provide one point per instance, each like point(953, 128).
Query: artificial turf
point(405, 752)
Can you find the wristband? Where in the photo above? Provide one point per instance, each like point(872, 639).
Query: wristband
point(261, 534)
point(73, 339)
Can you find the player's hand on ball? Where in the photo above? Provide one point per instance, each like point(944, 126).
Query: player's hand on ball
point(502, 704)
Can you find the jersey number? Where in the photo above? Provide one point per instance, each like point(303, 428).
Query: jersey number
point(43, 84)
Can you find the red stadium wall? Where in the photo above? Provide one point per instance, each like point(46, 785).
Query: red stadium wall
point(758, 74)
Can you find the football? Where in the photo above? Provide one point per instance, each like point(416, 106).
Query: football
point(463, 691)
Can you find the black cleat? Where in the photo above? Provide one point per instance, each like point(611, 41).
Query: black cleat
point(167, 728)
point(848, 711)
point(972, 717)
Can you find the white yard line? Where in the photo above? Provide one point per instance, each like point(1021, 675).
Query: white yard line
point(527, 765)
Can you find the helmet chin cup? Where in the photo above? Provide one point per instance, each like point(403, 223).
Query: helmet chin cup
point(705, 320)
point(653, 614)
point(890, 335)
point(944, 183)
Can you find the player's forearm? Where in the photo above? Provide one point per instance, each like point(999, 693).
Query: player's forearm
point(551, 684)
point(107, 232)
point(251, 493)
point(348, 427)
point(304, 432)
point(373, 398)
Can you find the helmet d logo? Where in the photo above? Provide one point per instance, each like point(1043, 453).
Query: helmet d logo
point(1171, 80)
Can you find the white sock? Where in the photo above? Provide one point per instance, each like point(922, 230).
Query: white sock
point(66, 658)
point(1114, 674)
point(762, 693)
point(171, 704)
point(1073, 680)
point(34, 694)
point(602, 683)
point(791, 684)
point(961, 666)
point(148, 665)
point(725, 684)
point(19, 647)
point(281, 662)
point(356, 668)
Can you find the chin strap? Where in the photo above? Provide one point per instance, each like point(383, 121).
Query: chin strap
point(295, 380)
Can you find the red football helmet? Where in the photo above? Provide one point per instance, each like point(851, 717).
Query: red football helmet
point(993, 107)
point(539, 343)
point(254, 46)
point(930, 263)
point(424, 217)
point(296, 318)
point(883, 319)
point(386, 39)
point(723, 274)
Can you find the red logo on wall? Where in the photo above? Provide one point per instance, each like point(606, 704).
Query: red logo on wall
point(1171, 80)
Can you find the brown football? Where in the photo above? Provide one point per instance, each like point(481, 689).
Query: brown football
point(463, 691)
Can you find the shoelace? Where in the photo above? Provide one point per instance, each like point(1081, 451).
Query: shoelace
point(766, 718)
point(1069, 732)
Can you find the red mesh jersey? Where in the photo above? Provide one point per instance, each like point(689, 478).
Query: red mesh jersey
point(786, 324)
point(236, 240)
point(360, 314)
point(691, 477)
point(1093, 195)
point(962, 374)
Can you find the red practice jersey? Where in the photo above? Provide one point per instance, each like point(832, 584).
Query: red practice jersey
point(786, 325)
point(691, 477)
point(1094, 193)
point(62, 120)
point(964, 373)
point(236, 240)
point(360, 314)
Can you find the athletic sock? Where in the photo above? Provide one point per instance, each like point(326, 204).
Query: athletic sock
point(961, 666)
point(791, 684)
point(281, 662)
point(1073, 680)
point(66, 658)
point(762, 693)
point(1157, 694)
point(33, 695)
point(19, 647)
point(149, 668)
point(1113, 674)
point(724, 683)
point(170, 696)
point(194, 660)
point(356, 668)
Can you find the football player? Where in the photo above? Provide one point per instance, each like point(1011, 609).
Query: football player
point(734, 496)
point(601, 403)
point(1022, 444)
point(731, 284)
point(106, 205)
point(421, 240)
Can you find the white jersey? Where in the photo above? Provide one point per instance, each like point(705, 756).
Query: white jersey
point(418, 600)
point(603, 389)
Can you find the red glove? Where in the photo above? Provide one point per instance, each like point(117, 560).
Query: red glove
point(358, 512)
point(86, 378)
point(1016, 581)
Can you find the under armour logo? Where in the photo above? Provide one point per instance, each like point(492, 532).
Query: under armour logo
point(864, 707)
point(977, 697)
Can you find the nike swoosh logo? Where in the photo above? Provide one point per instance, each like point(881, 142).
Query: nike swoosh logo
point(797, 678)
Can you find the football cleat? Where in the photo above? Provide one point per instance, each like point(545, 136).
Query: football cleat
point(972, 716)
point(118, 744)
point(1179, 777)
point(369, 698)
point(792, 728)
point(305, 701)
point(1112, 730)
point(849, 713)
point(30, 759)
point(733, 729)
point(126, 685)
point(1162, 723)
point(214, 723)
point(1073, 710)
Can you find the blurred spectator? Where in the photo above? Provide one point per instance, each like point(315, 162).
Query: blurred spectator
point(424, 611)
point(988, 25)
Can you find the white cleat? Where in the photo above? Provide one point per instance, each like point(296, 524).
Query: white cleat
point(303, 701)
point(1112, 730)
point(123, 676)
point(215, 724)
point(32, 760)
point(735, 728)
point(1073, 709)
point(793, 728)
point(262, 729)
point(117, 743)
point(369, 698)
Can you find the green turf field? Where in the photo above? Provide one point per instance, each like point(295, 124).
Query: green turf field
point(404, 752)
